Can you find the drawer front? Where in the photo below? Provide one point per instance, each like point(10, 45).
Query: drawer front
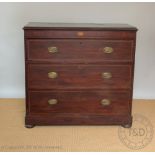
point(79, 76)
point(94, 102)
point(79, 34)
point(79, 50)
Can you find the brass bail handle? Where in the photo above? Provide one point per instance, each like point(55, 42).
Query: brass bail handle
point(52, 101)
point(108, 50)
point(106, 75)
point(105, 102)
point(52, 75)
point(52, 49)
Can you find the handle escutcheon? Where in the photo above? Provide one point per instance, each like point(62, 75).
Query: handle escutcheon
point(52, 101)
point(106, 75)
point(105, 102)
point(52, 75)
point(52, 49)
point(108, 50)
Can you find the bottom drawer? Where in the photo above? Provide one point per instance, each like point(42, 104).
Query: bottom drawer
point(79, 102)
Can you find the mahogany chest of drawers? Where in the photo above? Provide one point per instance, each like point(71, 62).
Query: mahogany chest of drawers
point(79, 74)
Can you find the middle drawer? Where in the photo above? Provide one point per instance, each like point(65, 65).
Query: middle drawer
point(46, 76)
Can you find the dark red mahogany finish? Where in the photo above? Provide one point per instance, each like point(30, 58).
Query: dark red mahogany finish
point(81, 87)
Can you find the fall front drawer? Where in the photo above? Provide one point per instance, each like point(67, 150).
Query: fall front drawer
point(45, 76)
point(83, 102)
point(79, 50)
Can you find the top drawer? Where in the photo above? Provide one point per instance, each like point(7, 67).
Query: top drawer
point(79, 50)
point(36, 33)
